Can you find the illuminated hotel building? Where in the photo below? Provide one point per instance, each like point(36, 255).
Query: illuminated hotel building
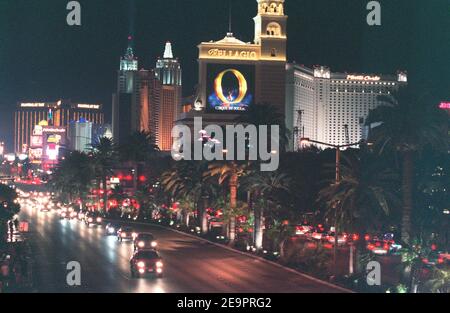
point(167, 98)
point(333, 107)
point(234, 75)
point(127, 100)
point(58, 114)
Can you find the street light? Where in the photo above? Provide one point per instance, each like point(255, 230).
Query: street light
point(337, 180)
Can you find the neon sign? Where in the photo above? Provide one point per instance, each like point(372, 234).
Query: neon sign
point(229, 99)
point(444, 106)
point(365, 78)
point(232, 54)
point(231, 88)
point(89, 106)
point(32, 105)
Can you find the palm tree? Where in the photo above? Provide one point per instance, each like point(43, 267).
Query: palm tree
point(229, 172)
point(139, 148)
point(187, 180)
point(406, 125)
point(363, 199)
point(266, 189)
point(365, 196)
point(105, 158)
point(72, 177)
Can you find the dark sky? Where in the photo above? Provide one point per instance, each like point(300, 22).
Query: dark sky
point(41, 58)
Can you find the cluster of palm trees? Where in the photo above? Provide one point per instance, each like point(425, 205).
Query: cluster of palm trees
point(79, 172)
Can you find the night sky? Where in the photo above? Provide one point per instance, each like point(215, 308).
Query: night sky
point(43, 59)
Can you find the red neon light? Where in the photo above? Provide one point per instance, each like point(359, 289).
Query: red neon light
point(444, 106)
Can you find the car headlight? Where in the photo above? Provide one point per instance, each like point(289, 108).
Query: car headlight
point(141, 264)
point(99, 219)
point(123, 234)
point(90, 220)
point(154, 244)
point(134, 235)
point(111, 229)
point(141, 244)
point(159, 264)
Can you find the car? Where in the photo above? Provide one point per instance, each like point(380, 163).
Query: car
point(146, 262)
point(144, 241)
point(93, 219)
point(64, 214)
point(111, 229)
point(331, 238)
point(44, 209)
point(383, 247)
point(80, 215)
point(317, 233)
point(126, 233)
point(301, 230)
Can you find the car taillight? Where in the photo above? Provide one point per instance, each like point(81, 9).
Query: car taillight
point(367, 237)
point(386, 247)
point(425, 261)
point(440, 261)
point(370, 247)
point(355, 237)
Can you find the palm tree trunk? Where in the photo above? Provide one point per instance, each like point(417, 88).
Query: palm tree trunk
point(407, 186)
point(105, 194)
point(135, 176)
point(233, 204)
point(259, 227)
point(204, 216)
point(187, 217)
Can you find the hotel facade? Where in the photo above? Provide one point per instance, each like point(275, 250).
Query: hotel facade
point(235, 75)
point(333, 107)
point(58, 114)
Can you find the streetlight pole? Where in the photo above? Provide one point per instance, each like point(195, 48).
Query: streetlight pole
point(337, 181)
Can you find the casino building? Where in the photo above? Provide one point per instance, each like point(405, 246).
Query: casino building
point(234, 75)
point(58, 114)
point(333, 107)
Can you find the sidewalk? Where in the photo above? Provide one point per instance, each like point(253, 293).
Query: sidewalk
point(16, 265)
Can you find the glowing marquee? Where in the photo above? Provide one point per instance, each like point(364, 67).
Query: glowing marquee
point(230, 89)
point(88, 106)
point(365, 78)
point(229, 100)
point(32, 105)
point(233, 54)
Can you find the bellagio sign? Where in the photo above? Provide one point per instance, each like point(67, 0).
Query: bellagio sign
point(233, 54)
